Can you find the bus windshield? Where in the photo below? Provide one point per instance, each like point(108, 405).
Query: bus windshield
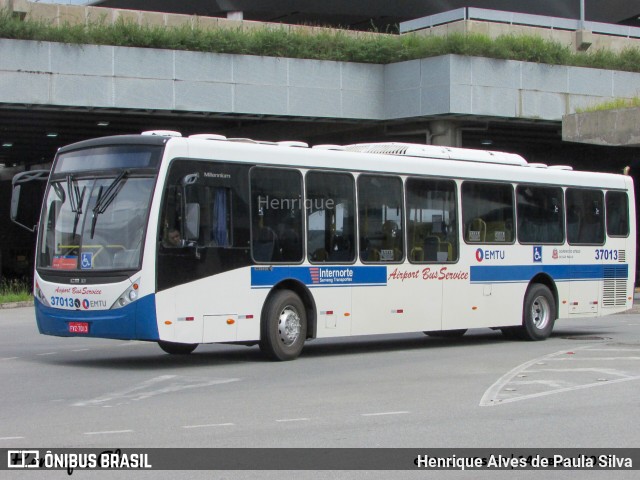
point(95, 220)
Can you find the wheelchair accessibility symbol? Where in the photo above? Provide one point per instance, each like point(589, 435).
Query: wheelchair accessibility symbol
point(86, 260)
point(537, 254)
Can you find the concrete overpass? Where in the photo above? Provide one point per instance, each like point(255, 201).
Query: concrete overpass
point(616, 127)
point(53, 94)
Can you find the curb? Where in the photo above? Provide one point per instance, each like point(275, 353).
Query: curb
point(9, 305)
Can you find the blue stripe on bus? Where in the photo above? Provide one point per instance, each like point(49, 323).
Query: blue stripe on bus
point(560, 273)
point(320, 276)
point(136, 321)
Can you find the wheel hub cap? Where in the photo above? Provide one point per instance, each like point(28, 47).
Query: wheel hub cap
point(289, 325)
point(540, 312)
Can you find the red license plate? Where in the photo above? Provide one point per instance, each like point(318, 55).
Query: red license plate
point(78, 327)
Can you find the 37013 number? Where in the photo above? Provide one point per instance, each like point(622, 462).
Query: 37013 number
point(605, 254)
point(62, 302)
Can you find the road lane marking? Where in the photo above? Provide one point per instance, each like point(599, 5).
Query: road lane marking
point(81, 350)
point(492, 395)
point(383, 413)
point(108, 432)
point(129, 344)
point(48, 353)
point(11, 438)
point(211, 425)
point(10, 358)
point(284, 420)
point(151, 388)
point(563, 390)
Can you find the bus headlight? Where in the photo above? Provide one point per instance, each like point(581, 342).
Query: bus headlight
point(128, 296)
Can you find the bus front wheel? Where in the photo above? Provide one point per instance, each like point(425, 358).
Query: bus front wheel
point(177, 348)
point(284, 326)
point(539, 313)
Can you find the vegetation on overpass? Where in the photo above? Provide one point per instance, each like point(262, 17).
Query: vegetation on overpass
point(317, 44)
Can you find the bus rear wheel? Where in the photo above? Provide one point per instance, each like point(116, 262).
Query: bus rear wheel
point(177, 348)
point(539, 313)
point(283, 326)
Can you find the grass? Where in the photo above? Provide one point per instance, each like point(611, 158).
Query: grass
point(337, 45)
point(612, 105)
point(15, 291)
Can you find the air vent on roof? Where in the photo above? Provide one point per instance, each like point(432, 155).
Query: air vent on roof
point(434, 151)
point(380, 148)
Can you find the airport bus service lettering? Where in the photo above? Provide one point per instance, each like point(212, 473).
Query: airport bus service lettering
point(428, 274)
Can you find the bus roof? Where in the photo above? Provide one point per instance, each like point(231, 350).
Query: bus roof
point(390, 157)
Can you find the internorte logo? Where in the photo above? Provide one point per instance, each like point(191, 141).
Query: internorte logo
point(321, 275)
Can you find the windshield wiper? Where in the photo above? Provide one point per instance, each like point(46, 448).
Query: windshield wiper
point(78, 211)
point(76, 200)
point(105, 198)
point(74, 193)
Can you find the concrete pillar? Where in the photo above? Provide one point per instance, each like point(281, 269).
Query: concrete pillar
point(445, 133)
point(584, 39)
point(235, 15)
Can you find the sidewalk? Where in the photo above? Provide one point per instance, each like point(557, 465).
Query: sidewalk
point(16, 305)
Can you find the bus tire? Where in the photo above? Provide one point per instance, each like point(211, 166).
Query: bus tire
point(447, 333)
point(538, 314)
point(283, 326)
point(177, 348)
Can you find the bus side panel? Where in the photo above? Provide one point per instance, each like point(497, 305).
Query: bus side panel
point(220, 308)
point(408, 303)
point(334, 311)
point(493, 292)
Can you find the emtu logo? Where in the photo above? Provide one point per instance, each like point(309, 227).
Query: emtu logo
point(479, 255)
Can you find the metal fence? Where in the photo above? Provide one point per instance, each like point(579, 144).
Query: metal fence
point(512, 18)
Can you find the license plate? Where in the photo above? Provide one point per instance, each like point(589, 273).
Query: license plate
point(78, 327)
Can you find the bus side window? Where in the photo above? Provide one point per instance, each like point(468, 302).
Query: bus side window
point(573, 223)
point(487, 212)
point(585, 216)
point(330, 217)
point(380, 218)
point(276, 215)
point(539, 211)
point(617, 205)
point(432, 220)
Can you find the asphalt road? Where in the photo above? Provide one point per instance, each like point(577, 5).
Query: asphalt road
point(579, 389)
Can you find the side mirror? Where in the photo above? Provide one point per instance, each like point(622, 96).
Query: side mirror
point(26, 198)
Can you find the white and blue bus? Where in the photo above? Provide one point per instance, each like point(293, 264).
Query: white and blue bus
point(204, 239)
